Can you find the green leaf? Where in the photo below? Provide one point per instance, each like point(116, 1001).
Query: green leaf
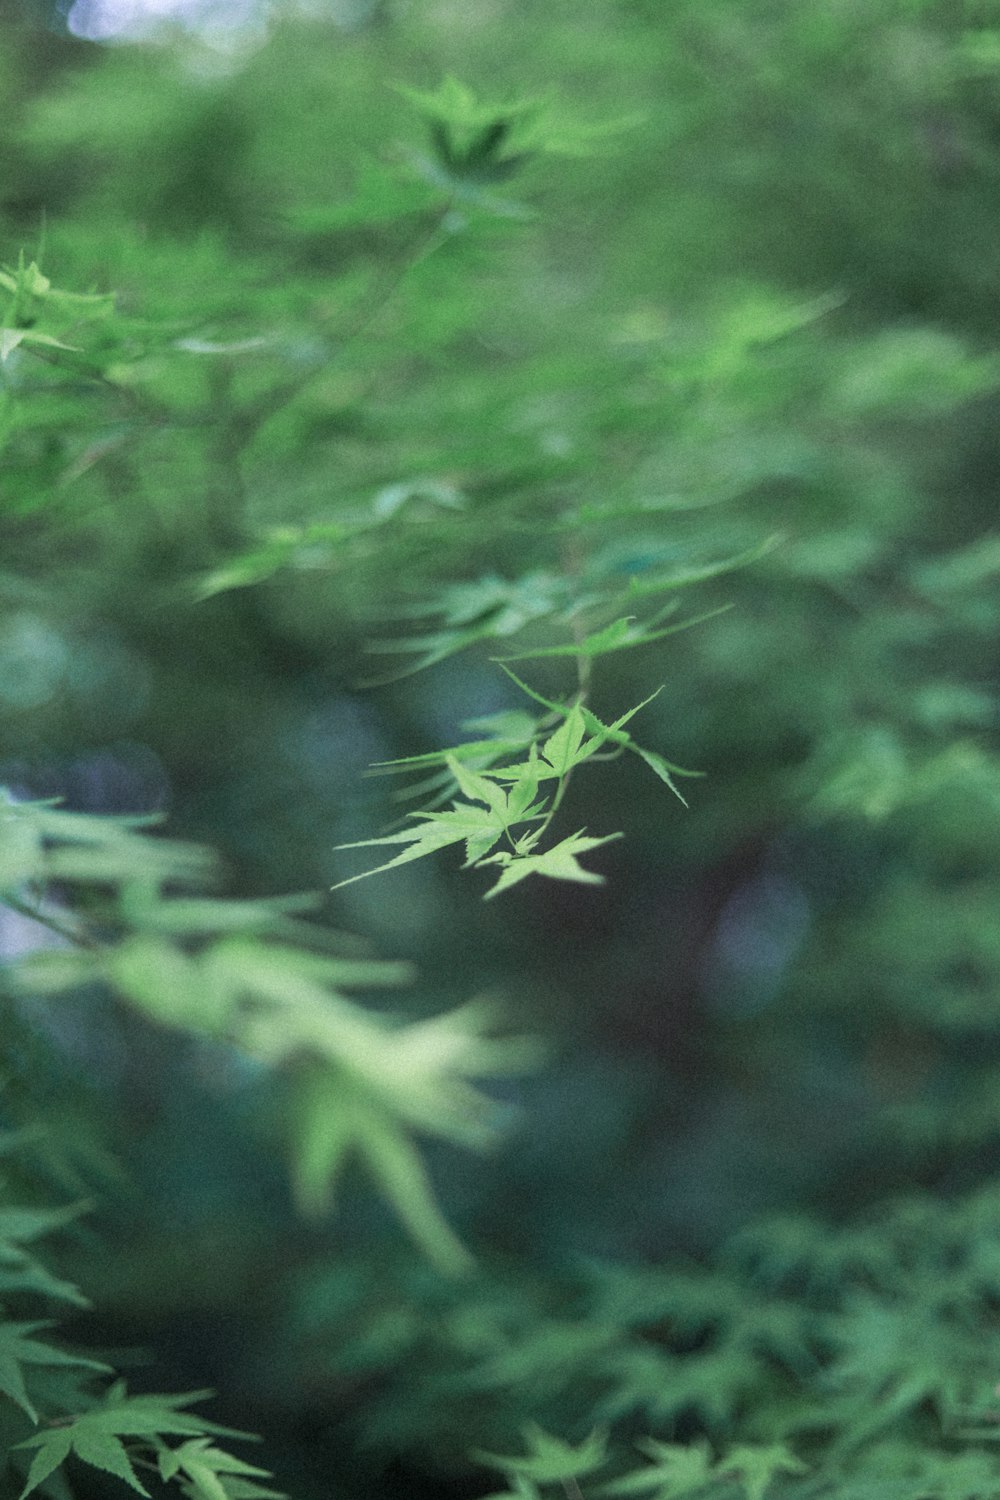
point(521, 1489)
point(565, 749)
point(508, 807)
point(336, 1117)
point(484, 609)
point(168, 985)
point(664, 769)
point(204, 1465)
point(521, 795)
point(755, 1466)
point(12, 338)
point(558, 863)
point(550, 1460)
point(702, 573)
point(479, 788)
point(399, 1171)
point(28, 281)
point(601, 733)
point(23, 1225)
point(380, 195)
point(96, 1436)
point(17, 1348)
point(54, 1447)
point(620, 635)
point(19, 1270)
point(103, 1450)
point(612, 637)
point(676, 1469)
point(473, 826)
point(454, 103)
point(21, 851)
point(480, 753)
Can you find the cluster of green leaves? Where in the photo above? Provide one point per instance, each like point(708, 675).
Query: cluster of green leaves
point(105, 902)
point(673, 1469)
point(34, 302)
point(246, 975)
point(497, 798)
point(61, 1404)
point(808, 1360)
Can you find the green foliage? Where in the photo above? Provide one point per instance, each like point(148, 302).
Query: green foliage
point(510, 795)
point(96, 1438)
point(674, 1469)
point(225, 971)
point(328, 390)
point(54, 1388)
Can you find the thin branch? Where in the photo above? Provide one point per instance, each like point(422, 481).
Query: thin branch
point(75, 935)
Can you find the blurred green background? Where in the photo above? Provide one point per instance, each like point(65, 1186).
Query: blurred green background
point(763, 304)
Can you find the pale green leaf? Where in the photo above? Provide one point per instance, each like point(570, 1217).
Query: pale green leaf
point(20, 1272)
point(194, 916)
point(512, 726)
point(478, 788)
point(454, 103)
point(612, 637)
point(200, 1450)
point(565, 749)
point(324, 1132)
point(701, 572)
point(335, 1118)
point(521, 795)
point(46, 971)
point(399, 1171)
point(167, 985)
point(12, 338)
point(558, 863)
point(601, 733)
point(436, 831)
point(663, 769)
point(21, 853)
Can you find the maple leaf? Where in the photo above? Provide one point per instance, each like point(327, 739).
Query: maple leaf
point(18, 1348)
point(566, 747)
point(601, 733)
point(558, 863)
point(550, 1459)
point(478, 828)
point(676, 1469)
point(516, 805)
point(756, 1465)
point(96, 1436)
point(336, 1119)
point(213, 1474)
